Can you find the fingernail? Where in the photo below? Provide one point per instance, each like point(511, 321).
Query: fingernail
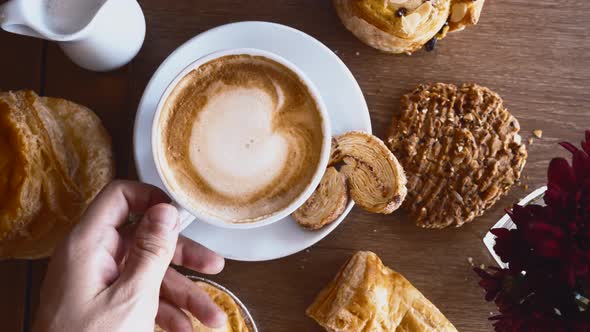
point(164, 216)
point(219, 319)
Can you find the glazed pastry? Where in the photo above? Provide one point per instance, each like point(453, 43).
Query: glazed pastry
point(235, 318)
point(375, 178)
point(404, 26)
point(460, 149)
point(326, 204)
point(366, 296)
point(464, 13)
point(55, 156)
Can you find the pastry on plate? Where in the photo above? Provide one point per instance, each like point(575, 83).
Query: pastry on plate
point(362, 167)
point(367, 296)
point(460, 149)
point(326, 203)
point(375, 178)
point(55, 156)
point(404, 26)
point(235, 318)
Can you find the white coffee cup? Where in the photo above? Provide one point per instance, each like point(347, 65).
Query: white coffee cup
point(188, 215)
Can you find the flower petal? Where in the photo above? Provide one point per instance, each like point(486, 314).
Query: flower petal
point(561, 175)
point(586, 144)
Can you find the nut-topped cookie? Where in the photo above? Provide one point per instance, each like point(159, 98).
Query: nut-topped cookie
point(460, 149)
point(404, 26)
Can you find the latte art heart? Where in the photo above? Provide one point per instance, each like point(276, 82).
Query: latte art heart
point(234, 146)
point(242, 137)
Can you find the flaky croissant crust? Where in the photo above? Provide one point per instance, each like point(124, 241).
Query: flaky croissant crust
point(59, 159)
point(366, 296)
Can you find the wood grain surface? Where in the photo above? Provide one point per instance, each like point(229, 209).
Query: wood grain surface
point(536, 54)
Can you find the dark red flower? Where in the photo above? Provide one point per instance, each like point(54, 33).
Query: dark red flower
point(511, 247)
point(526, 318)
point(493, 282)
point(548, 254)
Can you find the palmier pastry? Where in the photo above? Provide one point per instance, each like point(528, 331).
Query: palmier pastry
point(460, 149)
point(55, 156)
point(404, 26)
point(375, 178)
point(368, 296)
point(327, 202)
point(235, 318)
point(369, 173)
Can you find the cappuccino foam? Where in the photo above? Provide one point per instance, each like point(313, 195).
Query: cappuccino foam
point(241, 137)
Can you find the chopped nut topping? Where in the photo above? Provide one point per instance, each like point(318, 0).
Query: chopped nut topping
point(538, 133)
point(478, 157)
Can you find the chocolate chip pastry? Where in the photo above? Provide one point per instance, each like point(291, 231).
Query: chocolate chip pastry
point(404, 26)
point(460, 149)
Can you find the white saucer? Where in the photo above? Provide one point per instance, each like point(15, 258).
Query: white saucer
point(342, 95)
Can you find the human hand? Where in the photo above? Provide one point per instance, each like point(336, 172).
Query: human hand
point(106, 277)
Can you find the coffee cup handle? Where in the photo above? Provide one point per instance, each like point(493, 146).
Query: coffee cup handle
point(185, 218)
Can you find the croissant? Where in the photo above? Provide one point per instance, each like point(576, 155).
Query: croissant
point(55, 156)
point(404, 26)
point(366, 296)
point(327, 202)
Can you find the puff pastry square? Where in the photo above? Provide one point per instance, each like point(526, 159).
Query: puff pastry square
point(368, 296)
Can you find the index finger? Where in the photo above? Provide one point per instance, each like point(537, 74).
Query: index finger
point(113, 204)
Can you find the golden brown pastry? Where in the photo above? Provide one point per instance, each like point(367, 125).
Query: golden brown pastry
point(366, 296)
point(464, 13)
point(404, 26)
point(235, 319)
point(375, 178)
point(460, 149)
point(326, 204)
point(55, 156)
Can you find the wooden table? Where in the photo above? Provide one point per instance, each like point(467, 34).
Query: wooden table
point(536, 54)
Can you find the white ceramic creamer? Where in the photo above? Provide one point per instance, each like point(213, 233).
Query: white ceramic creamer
point(98, 35)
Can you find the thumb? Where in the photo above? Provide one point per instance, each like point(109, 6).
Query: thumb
point(152, 248)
